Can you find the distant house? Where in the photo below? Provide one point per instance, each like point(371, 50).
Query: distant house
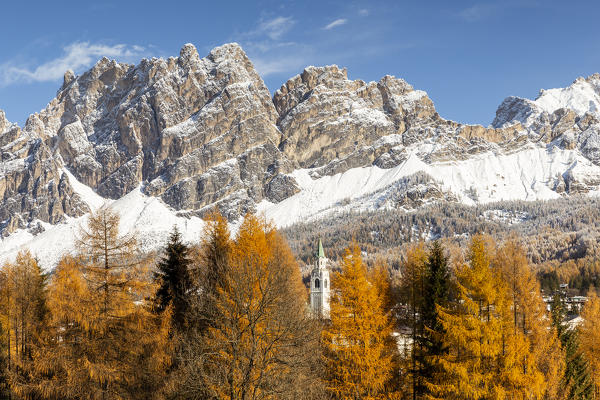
point(573, 304)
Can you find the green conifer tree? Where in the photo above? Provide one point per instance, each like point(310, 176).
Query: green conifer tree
point(215, 253)
point(557, 312)
point(577, 380)
point(436, 294)
point(577, 383)
point(174, 280)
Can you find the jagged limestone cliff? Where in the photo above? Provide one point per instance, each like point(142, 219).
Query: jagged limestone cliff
point(204, 132)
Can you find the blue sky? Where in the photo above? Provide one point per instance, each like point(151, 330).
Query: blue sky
point(468, 55)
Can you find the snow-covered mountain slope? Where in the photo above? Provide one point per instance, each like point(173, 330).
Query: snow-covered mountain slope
point(165, 141)
point(146, 217)
point(532, 173)
point(582, 97)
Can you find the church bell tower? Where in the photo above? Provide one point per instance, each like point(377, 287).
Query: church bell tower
point(320, 285)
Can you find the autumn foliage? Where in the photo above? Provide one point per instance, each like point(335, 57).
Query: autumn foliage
point(357, 347)
point(227, 317)
point(103, 340)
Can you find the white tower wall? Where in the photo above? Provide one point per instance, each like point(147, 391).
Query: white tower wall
point(320, 286)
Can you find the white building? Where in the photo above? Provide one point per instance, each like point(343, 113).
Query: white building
point(320, 285)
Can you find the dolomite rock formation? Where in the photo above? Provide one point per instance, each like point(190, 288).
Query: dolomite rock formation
point(204, 132)
point(33, 186)
point(194, 130)
point(568, 116)
point(333, 123)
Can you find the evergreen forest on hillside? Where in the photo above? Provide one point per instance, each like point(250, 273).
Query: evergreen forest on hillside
point(560, 237)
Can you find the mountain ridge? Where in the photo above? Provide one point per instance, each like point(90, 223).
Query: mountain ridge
point(195, 133)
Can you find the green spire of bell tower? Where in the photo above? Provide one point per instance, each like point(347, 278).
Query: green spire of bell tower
point(321, 252)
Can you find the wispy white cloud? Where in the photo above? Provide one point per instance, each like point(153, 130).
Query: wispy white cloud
point(337, 22)
point(363, 12)
point(273, 28)
point(268, 48)
point(269, 65)
point(478, 12)
point(482, 11)
point(267, 34)
point(75, 56)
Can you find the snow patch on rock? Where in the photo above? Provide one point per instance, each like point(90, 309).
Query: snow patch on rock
point(582, 97)
point(528, 174)
point(148, 218)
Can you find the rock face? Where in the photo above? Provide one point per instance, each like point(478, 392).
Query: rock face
point(324, 116)
point(177, 125)
point(333, 123)
point(569, 116)
point(33, 186)
point(204, 132)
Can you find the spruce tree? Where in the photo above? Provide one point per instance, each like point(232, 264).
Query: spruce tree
point(413, 287)
point(436, 294)
point(577, 380)
point(210, 271)
point(557, 313)
point(215, 254)
point(174, 280)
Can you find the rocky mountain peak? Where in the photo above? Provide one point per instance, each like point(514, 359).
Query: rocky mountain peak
point(568, 116)
point(204, 132)
point(582, 97)
point(172, 125)
point(4, 124)
point(330, 75)
point(68, 78)
point(9, 132)
point(291, 93)
point(326, 117)
point(231, 51)
point(513, 109)
point(188, 55)
point(594, 79)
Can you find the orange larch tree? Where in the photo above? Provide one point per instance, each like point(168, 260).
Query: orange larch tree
point(104, 341)
point(25, 315)
point(473, 332)
point(261, 337)
point(358, 355)
point(589, 336)
point(533, 359)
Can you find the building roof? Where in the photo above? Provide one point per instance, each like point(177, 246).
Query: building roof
point(321, 253)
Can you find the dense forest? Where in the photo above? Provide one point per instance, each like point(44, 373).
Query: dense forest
point(560, 237)
point(228, 318)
